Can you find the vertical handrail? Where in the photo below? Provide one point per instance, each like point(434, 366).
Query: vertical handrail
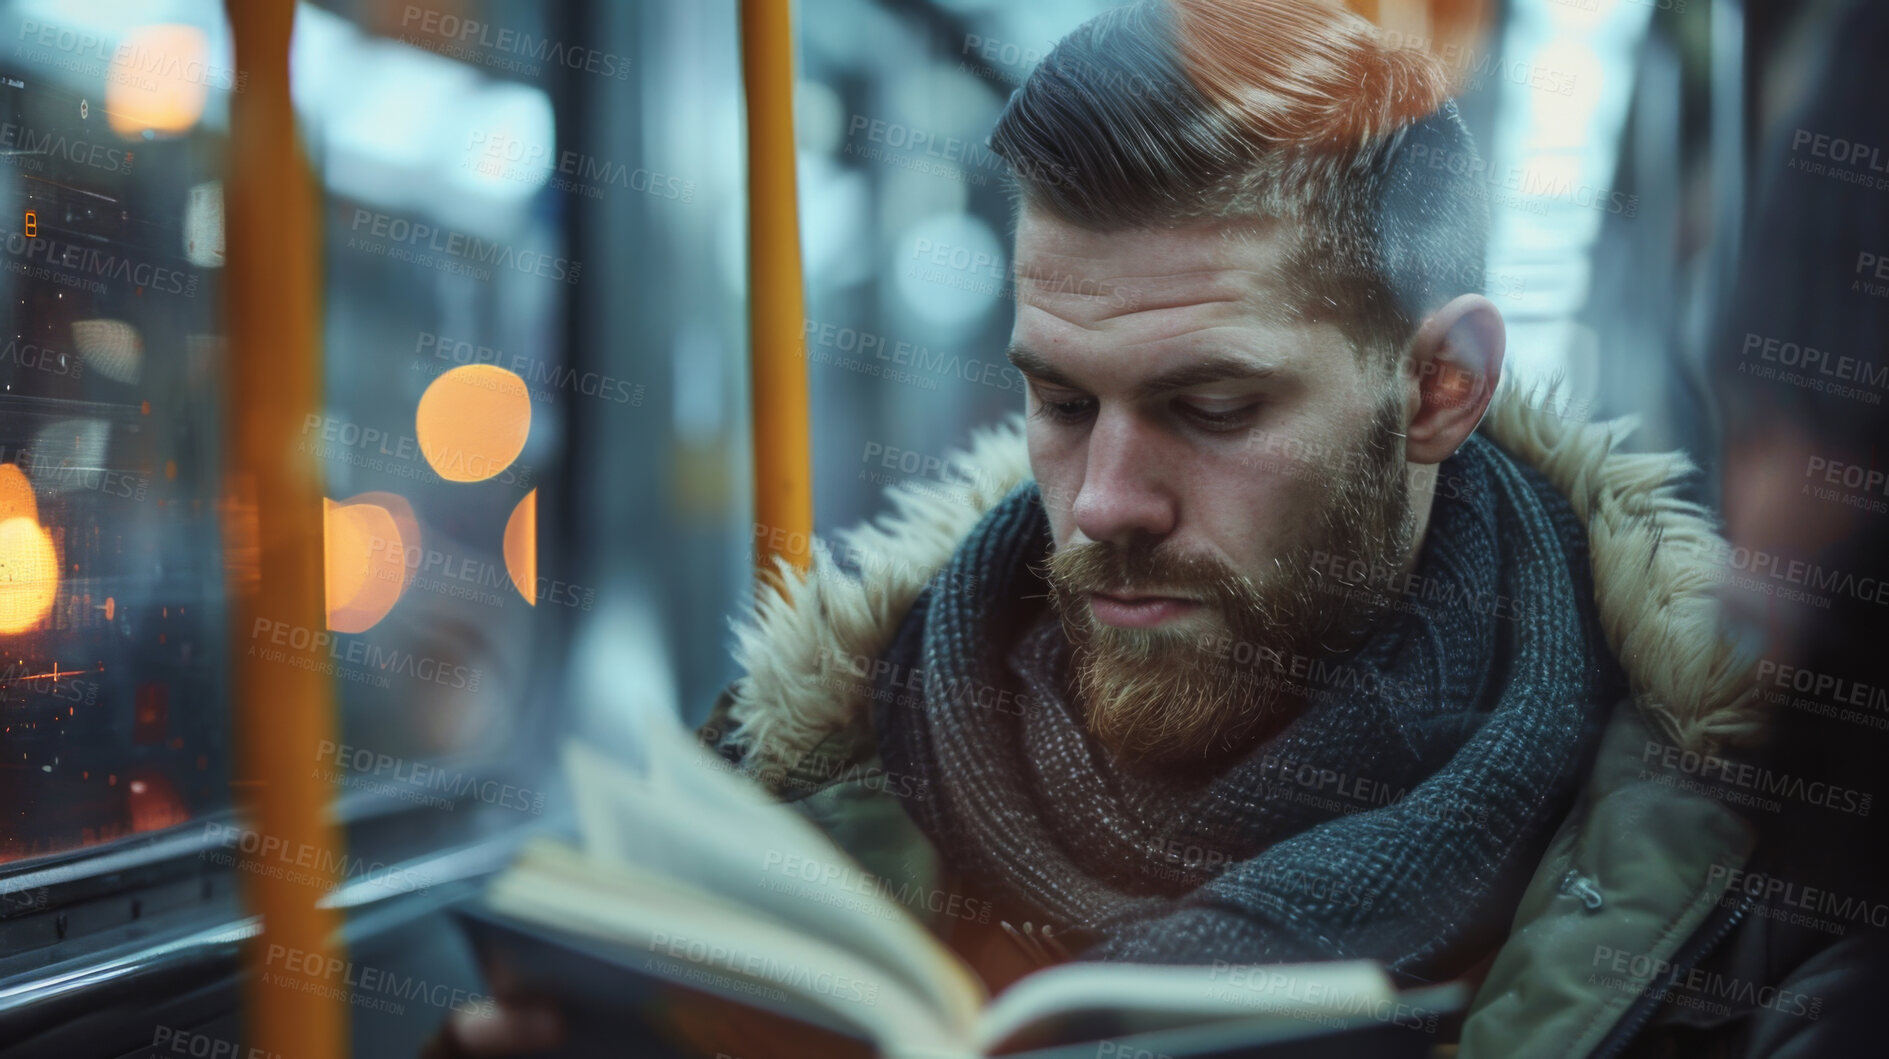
point(783, 446)
point(283, 712)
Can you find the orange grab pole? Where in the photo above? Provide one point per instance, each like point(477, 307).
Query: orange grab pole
point(783, 447)
point(274, 533)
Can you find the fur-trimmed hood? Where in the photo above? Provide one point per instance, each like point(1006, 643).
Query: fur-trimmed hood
point(807, 648)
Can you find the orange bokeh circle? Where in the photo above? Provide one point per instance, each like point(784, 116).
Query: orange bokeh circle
point(473, 421)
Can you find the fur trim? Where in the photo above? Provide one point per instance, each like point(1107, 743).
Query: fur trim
point(809, 645)
point(1654, 565)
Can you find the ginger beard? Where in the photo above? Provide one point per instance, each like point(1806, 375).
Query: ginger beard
point(1218, 679)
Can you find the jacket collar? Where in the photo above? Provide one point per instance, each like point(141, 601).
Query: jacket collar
point(808, 646)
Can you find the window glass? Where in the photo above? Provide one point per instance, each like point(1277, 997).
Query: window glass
point(446, 279)
point(113, 689)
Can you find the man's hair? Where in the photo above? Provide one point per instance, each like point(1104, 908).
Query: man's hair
point(1171, 111)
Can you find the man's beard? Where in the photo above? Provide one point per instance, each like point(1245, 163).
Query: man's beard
point(1219, 679)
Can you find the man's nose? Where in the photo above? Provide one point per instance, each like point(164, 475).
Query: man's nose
point(1124, 492)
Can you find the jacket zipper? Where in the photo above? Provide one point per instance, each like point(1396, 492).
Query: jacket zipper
point(1642, 1010)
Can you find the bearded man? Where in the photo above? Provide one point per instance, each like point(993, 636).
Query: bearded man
point(1277, 633)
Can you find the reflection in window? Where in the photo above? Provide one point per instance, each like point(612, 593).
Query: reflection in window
point(113, 699)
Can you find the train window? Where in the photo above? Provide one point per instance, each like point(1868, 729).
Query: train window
point(446, 278)
point(113, 689)
point(445, 283)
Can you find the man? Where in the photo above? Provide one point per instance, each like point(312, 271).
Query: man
point(1251, 646)
point(1322, 669)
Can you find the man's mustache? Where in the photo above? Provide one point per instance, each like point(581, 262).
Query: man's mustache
point(1112, 569)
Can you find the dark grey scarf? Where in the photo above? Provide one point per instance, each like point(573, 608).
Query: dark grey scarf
point(1398, 817)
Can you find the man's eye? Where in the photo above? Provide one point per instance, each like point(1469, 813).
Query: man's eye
point(1075, 410)
point(1217, 419)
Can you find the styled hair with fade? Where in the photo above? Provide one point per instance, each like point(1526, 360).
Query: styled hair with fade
point(1175, 111)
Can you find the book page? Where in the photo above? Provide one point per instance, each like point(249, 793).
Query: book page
point(1188, 996)
point(560, 887)
point(689, 819)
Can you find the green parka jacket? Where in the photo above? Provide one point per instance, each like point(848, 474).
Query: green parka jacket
point(1637, 934)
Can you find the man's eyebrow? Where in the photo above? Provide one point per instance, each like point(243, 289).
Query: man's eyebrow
point(1034, 364)
point(1219, 367)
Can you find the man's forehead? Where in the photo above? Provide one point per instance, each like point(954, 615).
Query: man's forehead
point(1067, 268)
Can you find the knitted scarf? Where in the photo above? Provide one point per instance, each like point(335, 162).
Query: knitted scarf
point(1398, 817)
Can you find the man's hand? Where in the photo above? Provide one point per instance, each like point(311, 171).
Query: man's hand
point(514, 1026)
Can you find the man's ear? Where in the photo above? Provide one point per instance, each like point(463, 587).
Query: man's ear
point(1451, 373)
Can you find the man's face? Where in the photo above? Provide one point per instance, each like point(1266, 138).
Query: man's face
point(1203, 446)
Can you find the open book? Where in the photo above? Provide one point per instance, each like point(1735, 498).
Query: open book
point(697, 901)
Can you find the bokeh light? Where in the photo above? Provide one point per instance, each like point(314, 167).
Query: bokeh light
point(16, 494)
point(473, 421)
point(521, 547)
point(159, 80)
point(154, 802)
point(365, 564)
point(113, 348)
point(29, 574)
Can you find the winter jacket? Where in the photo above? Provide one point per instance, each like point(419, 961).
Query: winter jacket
point(1637, 934)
